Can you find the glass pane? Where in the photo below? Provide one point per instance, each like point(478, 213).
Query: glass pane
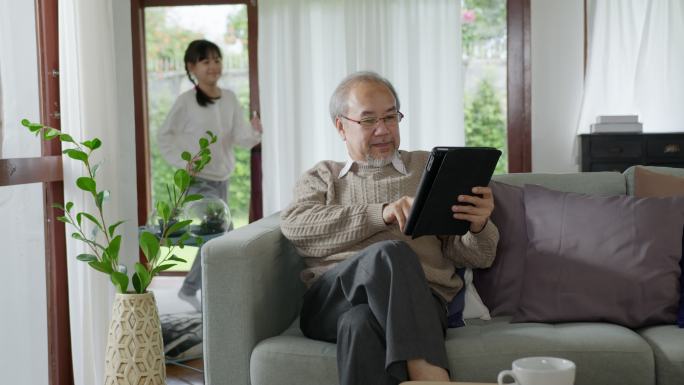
point(168, 31)
point(484, 70)
point(24, 300)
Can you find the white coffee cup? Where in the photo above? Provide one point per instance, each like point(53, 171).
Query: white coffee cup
point(540, 371)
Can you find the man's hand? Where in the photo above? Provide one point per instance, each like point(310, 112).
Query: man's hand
point(479, 212)
point(397, 211)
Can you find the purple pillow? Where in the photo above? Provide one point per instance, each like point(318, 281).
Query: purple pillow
point(499, 286)
point(601, 258)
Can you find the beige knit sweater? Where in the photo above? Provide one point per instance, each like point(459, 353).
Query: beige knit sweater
point(333, 218)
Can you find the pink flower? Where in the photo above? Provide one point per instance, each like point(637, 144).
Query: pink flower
point(468, 16)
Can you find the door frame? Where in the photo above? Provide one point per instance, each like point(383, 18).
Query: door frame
point(142, 141)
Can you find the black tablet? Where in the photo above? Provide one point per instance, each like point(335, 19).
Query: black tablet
point(449, 172)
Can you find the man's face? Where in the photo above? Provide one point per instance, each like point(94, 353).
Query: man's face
point(369, 100)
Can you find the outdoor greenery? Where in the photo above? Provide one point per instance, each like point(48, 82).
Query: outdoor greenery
point(482, 20)
point(483, 38)
point(104, 242)
point(484, 122)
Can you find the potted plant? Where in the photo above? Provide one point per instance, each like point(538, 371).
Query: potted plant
point(134, 347)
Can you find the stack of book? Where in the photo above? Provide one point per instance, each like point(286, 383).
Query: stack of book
point(616, 123)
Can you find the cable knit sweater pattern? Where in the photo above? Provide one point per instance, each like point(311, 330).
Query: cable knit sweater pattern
point(333, 218)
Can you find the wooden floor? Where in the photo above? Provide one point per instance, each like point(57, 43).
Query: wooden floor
point(176, 375)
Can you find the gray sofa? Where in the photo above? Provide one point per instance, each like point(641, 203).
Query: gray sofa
point(252, 293)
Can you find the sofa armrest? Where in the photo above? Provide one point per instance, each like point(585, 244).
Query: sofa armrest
point(251, 291)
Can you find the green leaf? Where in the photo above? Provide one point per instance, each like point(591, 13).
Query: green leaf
point(113, 248)
point(87, 184)
point(96, 144)
point(86, 257)
point(177, 259)
point(58, 206)
point(63, 219)
point(120, 281)
point(150, 246)
point(186, 156)
point(101, 197)
point(50, 133)
point(161, 268)
point(94, 169)
point(137, 285)
point(69, 205)
point(178, 226)
point(204, 143)
point(182, 179)
point(192, 197)
point(143, 274)
point(79, 216)
point(93, 219)
point(163, 210)
point(113, 227)
point(78, 236)
point(66, 138)
point(100, 266)
point(76, 154)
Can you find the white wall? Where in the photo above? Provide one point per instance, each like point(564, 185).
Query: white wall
point(23, 319)
point(557, 34)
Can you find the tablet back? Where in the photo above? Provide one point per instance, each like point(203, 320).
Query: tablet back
point(450, 172)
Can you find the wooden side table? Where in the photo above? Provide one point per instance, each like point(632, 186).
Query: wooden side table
point(444, 383)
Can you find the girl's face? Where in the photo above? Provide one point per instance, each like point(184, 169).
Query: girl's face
point(207, 71)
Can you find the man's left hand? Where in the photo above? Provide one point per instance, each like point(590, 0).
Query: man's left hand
point(477, 214)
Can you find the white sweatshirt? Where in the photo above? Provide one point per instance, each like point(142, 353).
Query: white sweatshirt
point(188, 121)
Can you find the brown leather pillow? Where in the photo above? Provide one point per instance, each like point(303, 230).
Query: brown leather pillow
point(653, 184)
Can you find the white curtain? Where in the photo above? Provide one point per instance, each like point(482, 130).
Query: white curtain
point(88, 93)
point(634, 63)
point(306, 47)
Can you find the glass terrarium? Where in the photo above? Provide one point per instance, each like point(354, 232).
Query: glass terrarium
point(155, 223)
point(209, 215)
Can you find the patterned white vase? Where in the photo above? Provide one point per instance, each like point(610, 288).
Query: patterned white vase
point(135, 352)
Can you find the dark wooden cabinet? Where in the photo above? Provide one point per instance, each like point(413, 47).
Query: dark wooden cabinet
point(617, 152)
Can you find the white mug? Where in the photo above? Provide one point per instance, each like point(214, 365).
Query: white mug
point(540, 371)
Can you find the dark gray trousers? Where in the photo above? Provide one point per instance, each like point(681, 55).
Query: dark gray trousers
point(208, 188)
point(379, 309)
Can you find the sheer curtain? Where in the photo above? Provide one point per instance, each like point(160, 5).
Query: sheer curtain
point(88, 93)
point(307, 46)
point(634, 64)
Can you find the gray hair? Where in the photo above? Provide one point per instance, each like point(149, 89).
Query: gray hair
point(338, 100)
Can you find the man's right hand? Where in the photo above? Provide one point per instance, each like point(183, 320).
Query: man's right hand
point(397, 211)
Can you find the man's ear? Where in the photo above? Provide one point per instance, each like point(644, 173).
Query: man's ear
point(340, 128)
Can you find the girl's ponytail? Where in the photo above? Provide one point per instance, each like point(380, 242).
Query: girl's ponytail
point(197, 51)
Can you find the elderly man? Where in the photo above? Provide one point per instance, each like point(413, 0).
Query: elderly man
point(380, 295)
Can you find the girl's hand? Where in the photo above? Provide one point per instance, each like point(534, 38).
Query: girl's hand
point(256, 122)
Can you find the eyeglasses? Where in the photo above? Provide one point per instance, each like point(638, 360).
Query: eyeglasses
point(391, 120)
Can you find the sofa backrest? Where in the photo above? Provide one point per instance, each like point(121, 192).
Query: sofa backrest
point(598, 183)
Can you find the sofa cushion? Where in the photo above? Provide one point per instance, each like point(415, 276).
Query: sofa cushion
point(654, 184)
point(667, 342)
point(499, 286)
point(625, 248)
point(605, 354)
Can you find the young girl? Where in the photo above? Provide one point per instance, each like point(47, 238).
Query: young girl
point(206, 107)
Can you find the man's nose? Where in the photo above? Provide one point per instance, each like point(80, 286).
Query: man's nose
point(381, 128)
